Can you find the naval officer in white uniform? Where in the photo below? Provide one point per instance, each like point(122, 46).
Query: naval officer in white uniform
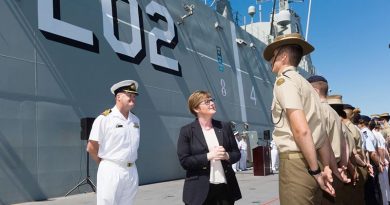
point(113, 144)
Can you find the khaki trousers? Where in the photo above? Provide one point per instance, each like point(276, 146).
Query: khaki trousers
point(296, 185)
point(355, 194)
point(340, 193)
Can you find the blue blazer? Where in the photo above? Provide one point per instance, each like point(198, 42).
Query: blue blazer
point(192, 152)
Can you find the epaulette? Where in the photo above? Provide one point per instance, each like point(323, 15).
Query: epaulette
point(106, 112)
point(284, 73)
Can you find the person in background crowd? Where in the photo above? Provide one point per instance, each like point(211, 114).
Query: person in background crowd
point(274, 157)
point(243, 146)
point(235, 166)
point(353, 192)
point(375, 127)
point(339, 157)
point(373, 195)
point(384, 121)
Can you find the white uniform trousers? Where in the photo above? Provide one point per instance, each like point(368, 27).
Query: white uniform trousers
point(384, 185)
point(274, 159)
point(116, 184)
point(235, 167)
point(243, 160)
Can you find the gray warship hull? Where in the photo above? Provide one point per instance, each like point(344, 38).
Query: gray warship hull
point(58, 60)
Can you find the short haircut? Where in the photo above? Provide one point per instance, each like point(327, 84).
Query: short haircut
point(322, 87)
point(294, 52)
point(362, 122)
point(195, 99)
point(372, 124)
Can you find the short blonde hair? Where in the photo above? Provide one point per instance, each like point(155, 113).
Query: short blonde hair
point(195, 99)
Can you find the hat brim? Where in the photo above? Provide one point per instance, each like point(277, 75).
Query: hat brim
point(124, 83)
point(269, 50)
point(348, 107)
point(337, 106)
point(385, 117)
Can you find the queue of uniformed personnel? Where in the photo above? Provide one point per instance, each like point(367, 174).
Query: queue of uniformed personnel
point(329, 153)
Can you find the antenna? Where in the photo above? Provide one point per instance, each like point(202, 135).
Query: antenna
point(259, 3)
point(308, 21)
point(251, 12)
point(272, 20)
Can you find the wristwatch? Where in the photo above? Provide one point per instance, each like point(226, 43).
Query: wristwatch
point(315, 172)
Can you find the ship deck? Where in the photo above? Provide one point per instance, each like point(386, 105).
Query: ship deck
point(256, 190)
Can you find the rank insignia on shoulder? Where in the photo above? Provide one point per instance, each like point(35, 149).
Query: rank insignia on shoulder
point(136, 125)
point(106, 112)
point(118, 126)
point(280, 81)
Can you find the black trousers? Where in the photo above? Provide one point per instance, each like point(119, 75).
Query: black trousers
point(372, 191)
point(218, 195)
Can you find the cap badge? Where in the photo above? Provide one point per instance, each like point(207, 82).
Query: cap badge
point(132, 87)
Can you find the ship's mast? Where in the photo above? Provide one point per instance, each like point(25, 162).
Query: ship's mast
point(308, 21)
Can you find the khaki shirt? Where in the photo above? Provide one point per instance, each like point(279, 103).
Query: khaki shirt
point(333, 128)
point(355, 134)
point(292, 91)
point(350, 140)
point(386, 131)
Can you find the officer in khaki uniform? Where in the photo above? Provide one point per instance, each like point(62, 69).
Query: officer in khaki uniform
point(298, 131)
point(333, 128)
point(348, 109)
point(384, 121)
point(352, 194)
point(364, 167)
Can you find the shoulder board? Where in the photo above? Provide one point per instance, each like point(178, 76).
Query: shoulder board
point(280, 81)
point(285, 73)
point(106, 112)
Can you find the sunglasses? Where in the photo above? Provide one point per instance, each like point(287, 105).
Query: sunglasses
point(208, 101)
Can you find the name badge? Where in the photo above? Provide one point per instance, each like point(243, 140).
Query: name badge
point(119, 126)
point(136, 125)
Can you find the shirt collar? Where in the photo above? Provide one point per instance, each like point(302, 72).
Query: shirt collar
point(287, 69)
point(117, 113)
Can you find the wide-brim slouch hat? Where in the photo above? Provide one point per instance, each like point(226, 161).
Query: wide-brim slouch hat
point(287, 39)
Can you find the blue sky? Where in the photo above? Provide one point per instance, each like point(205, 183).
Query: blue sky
point(351, 40)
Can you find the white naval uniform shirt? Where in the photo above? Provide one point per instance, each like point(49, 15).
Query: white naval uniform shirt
point(117, 136)
point(381, 140)
point(369, 140)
